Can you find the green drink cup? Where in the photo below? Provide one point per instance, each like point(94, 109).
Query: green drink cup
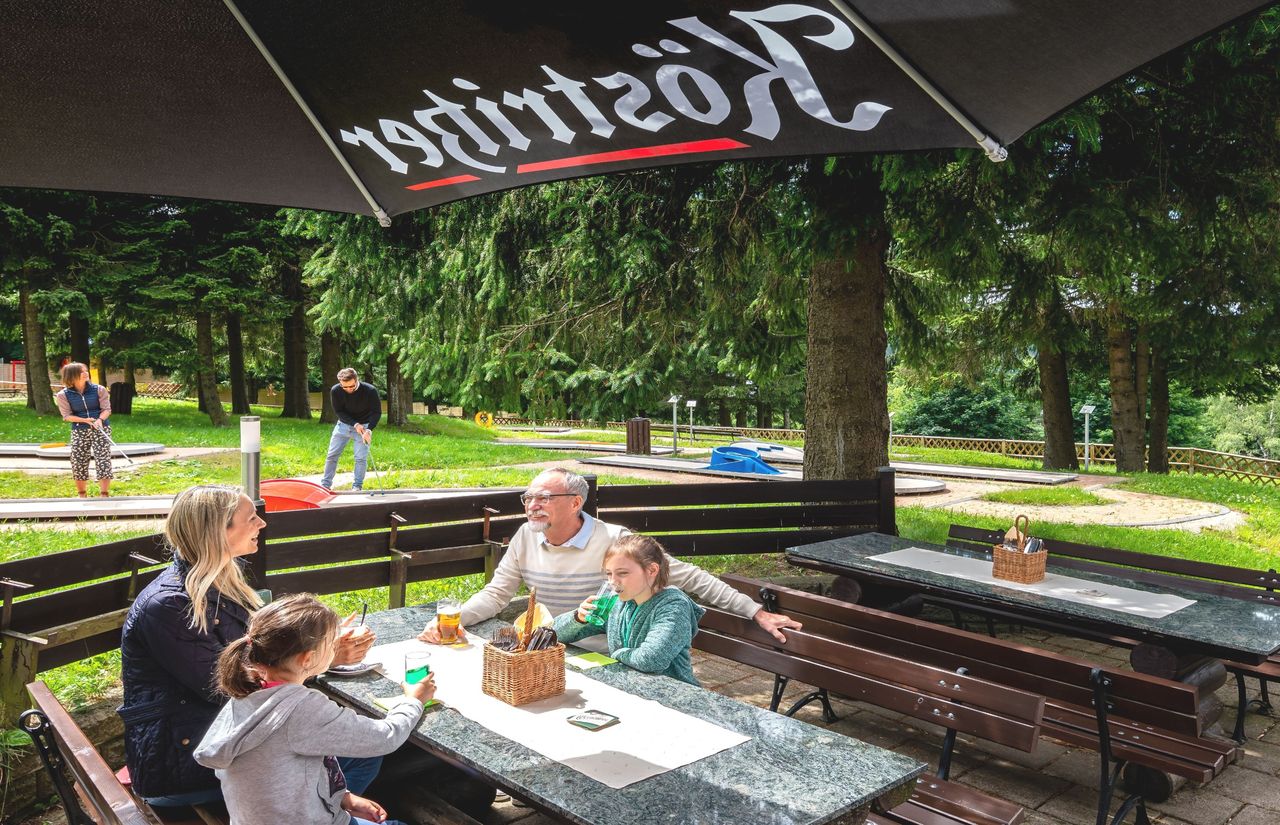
point(417, 666)
point(606, 598)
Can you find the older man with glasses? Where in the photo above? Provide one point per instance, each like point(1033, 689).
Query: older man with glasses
point(560, 551)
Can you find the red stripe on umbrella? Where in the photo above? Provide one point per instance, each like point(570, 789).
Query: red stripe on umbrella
point(690, 148)
point(432, 184)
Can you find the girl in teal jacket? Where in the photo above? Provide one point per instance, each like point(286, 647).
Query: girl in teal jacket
point(652, 625)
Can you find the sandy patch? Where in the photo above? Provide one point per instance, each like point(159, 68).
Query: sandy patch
point(1123, 508)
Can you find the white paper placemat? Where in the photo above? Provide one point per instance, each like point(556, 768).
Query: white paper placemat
point(1107, 596)
point(649, 739)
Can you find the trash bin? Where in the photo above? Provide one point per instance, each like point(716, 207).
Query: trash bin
point(121, 395)
point(638, 437)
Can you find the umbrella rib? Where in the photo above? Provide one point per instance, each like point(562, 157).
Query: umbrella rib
point(990, 145)
point(383, 218)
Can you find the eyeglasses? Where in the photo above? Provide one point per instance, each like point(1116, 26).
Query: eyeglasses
point(542, 498)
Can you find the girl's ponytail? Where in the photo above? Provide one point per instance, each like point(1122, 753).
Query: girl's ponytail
point(235, 674)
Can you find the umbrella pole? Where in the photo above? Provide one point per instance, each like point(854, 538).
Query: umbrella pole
point(990, 145)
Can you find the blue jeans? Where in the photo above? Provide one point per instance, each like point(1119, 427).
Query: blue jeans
point(359, 772)
point(179, 799)
point(342, 433)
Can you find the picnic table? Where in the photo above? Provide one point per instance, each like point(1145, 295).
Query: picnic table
point(1211, 626)
point(787, 773)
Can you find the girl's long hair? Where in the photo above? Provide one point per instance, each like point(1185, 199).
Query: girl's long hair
point(197, 531)
point(285, 628)
point(644, 551)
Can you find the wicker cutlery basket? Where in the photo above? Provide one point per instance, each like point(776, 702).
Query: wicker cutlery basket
point(1015, 565)
point(523, 677)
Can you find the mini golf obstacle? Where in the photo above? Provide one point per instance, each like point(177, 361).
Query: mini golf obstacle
point(778, 454)
point(903, 485)
point(61, 451)
point(733, 459)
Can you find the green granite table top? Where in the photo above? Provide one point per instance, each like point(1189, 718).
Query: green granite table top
point(1215, 625)
point(789, 773)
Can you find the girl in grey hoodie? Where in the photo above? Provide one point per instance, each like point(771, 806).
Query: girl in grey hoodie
point(272, 745)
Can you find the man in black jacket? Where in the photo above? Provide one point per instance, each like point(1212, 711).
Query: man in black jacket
point(359, 409)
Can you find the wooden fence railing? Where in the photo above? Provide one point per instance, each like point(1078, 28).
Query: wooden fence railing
point(1181, 459)
point(67, 606)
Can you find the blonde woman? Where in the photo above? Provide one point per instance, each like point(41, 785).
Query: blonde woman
point(173, 635)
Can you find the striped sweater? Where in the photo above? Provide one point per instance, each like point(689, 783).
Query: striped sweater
point(566, 575)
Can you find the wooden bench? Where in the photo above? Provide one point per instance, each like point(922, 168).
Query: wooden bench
point(942, 696)
point(1131, 719)
point(1260, 586)
point(96, 796)
point(63, 746)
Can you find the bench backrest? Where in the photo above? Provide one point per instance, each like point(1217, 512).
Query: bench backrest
point(112, 804)
point(970, 705)
point(1200, 576)
point(1058, 677)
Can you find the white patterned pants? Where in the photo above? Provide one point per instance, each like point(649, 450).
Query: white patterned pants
point(91, 443)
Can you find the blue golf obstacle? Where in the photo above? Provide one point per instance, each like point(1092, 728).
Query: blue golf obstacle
point(740, 460)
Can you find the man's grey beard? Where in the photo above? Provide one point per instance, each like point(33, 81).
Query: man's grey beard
point(538, 526)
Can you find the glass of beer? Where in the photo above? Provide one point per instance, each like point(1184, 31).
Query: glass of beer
point(606, 598)
point(417, 666)
point(448, 615)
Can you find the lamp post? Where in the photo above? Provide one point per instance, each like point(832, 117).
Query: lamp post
point(675, 424)
point(692, 405)
point(1086, 410)
point(251, 456)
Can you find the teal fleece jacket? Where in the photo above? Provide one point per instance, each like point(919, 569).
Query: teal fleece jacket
point(657, 633)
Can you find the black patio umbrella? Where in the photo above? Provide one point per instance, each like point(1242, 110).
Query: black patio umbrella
point(385, 106)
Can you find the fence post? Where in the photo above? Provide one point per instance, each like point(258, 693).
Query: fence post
point(398, 580)
point(886, 518)
point(1191, 461)
point(591, 504)
point(18, 654)
point(493, 549)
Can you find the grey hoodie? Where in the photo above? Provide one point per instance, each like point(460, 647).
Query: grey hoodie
point(273, 752)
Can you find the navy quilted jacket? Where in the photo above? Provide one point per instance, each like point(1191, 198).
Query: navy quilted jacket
point(168, 671)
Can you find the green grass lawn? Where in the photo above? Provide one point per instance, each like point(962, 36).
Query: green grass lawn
point(1046, 497)
point(290, 448)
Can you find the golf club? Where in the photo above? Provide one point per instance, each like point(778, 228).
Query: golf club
point(116, 446)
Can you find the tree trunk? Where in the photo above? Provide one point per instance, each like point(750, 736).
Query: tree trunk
point(1126, 424)
point(297, 400)
point(103, 368)
point(407, 384)
point(740, 417)
point(1158, 460)
point(79, 332)
point(208, 388)
point(252, 387)
point(722, 417)
point(764, 416)
point(846, 409)
point(433, 407)
point(396, 415)
point(130, 376)
point(786, 419)
point(330, 363)
point(1055, 399)
point(39, 391)
point(235, 365)
point(200, 404)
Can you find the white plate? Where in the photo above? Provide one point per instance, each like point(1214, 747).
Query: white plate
point(351, 670)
